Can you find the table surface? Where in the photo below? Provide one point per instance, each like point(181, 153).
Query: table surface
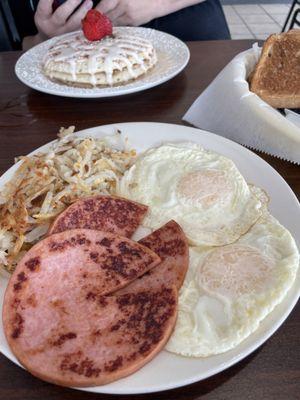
point(29, 119)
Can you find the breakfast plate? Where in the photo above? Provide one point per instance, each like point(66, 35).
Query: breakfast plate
point(168, 371)
point(173, 55)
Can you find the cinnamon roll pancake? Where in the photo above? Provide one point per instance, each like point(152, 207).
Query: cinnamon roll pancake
point(113, 60)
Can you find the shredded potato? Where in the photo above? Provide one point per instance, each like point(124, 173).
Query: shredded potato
point(45, 184)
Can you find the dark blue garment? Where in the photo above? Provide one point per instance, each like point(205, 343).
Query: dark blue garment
point(203, 21)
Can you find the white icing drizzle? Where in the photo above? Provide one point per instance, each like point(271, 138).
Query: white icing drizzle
point(106, 55)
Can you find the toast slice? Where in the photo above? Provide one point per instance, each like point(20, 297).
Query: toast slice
point(276, 78)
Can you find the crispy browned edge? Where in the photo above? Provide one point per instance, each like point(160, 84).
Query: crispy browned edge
point(276, 101)
point(81, 199)
point(122, 373)
point(39, 246)
point(186, 255)
point(180, 233)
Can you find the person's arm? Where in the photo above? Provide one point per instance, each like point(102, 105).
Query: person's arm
point(30, 41)
point(62, 20)
point(139, 12)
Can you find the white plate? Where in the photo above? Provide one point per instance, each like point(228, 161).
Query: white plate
point(173, 55)
point(168, 370)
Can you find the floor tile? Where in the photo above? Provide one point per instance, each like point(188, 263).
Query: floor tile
point(228, 10)
point(264, 28)
point(242, 36)
point(233, 19)
point(276, 8)
point(279, 18)
point(262, 36)
point(248, 9)
point(239, 29)
point(257, 18)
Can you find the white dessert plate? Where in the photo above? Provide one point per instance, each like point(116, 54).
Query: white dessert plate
point(173, 55)
point(168, 371)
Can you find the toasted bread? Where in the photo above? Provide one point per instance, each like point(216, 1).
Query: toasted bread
point(276, 78)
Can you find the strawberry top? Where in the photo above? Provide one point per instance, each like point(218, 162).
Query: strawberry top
point(96, 26)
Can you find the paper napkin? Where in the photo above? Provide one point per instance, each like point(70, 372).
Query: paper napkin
point(228, 108)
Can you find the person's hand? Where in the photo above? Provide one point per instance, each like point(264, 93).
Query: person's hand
point(51, 23)
point(131, 12)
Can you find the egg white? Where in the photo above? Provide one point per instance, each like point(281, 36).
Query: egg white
point(230, 289)
point(201, 190)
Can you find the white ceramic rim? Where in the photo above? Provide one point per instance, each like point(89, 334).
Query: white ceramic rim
point(163, 133)
point(100, 92)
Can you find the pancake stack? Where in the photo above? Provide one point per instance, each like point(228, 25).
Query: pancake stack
point(114, 60)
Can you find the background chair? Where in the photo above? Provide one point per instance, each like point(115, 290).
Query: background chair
point(9, 35)
point(295, 19)
point(292, 16)
point(4, 38)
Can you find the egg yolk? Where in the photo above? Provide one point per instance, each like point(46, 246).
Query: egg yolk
point(235, 270)
point(206, 186)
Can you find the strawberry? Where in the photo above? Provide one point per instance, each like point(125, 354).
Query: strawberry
point(95, 25)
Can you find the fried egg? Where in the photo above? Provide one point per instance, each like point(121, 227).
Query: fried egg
point(230, 289)
point(201, 190)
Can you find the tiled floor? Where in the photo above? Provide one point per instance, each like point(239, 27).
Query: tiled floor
point(255, 21)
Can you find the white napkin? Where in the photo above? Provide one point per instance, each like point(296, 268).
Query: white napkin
point(228, 108)
point(292, 116)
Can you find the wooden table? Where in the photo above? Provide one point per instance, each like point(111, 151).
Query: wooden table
point(29, 119)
